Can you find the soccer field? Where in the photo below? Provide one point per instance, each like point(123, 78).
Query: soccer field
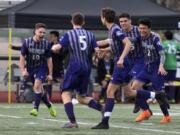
point(15, 120)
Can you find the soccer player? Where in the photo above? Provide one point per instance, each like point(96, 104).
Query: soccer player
point(36, 63)
point(171, 47)
point(153, 70)
point(120, 46)
point(135, 55)
point(57, 59)
point(81, 44)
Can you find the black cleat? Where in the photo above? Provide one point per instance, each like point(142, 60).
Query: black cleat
point(101, 126)
point(136, 108)
point(161, 99)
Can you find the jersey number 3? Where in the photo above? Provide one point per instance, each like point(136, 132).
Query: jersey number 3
point(83, 43)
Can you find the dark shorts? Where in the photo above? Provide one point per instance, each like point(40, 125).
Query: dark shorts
point(121, 75)
point(153, 77)
point(38, 73)
point(136, 67)
point(76, 78)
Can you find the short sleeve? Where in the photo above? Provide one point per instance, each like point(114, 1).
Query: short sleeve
point(158, 44)
point(24, 49)
point(119, 35)
point(64, 40)
point(94, 43)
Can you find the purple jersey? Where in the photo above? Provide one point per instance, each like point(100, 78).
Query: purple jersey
point(116, 36)
point(81, 44)
point(136, 48)
point(151, 47)
point(36, 53)
point(120, 75)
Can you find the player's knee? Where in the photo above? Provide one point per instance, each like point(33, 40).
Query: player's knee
point(110, 93)
point(66, 97)
point(37, 88)
point(135, 86)
point(130, 93)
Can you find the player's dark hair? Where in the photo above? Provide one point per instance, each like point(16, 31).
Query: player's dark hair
point(145, 21)
point(78, 18)
point(109, 14)
point(168, 35)
point(124, 15)
point(40, 25)
point(56, 33)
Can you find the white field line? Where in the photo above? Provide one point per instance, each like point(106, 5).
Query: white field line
point(90, 124)
point(156, 112)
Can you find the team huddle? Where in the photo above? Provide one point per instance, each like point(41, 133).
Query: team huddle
point(138, 59)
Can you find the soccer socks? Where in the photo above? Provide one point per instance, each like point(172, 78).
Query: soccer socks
point(108, 110)
point(145, 94)
point(164, 110)
point(37, 100)
point(49, 91)
point(93, 104)
point(70, 112)
point(142, 103)
point(46, 101)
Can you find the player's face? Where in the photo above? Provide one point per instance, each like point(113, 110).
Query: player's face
point(144, 30)
point(125, 23)
point(52, 38)
point(40, 33)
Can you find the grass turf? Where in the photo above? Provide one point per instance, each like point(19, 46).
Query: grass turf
point(15, 120)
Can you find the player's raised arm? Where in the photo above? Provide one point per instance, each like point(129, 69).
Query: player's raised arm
point(102, 43)
point(63, 42)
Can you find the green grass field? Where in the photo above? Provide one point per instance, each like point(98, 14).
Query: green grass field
point(15, 120)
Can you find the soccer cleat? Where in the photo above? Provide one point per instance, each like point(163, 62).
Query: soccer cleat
point(52, 111)
point(70, 125)
point(166, 119)
point(161, 99)
point(34, 112)
point(145, 115)
point(136, 108)
point(101, 126)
